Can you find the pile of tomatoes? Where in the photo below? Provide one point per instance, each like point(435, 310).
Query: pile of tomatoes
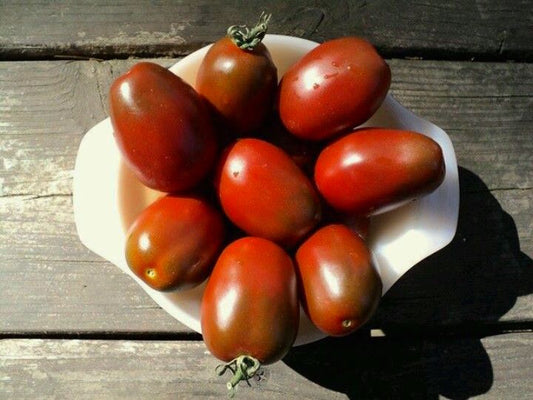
point(269, 187)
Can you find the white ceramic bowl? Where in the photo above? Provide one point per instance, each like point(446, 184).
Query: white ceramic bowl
point(107, 198)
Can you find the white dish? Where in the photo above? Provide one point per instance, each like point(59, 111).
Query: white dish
point(107, 198)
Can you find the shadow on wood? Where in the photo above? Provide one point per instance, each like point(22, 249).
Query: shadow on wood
point(388, 367)
point(435, 315)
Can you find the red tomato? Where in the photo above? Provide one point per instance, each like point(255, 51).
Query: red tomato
point(174, 242)
point(162, 128)
point(264, 193)
point(250, 304)
point(372, 170)
point(333, 88)
point(340, 289)
point(239, 79)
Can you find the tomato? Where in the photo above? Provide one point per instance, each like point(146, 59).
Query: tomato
point(174, 242)
point(335, 87)
point(162, 128)
point(239, 78)
point(250, 305)
point(372, 170)
point(264, 193)
point(340, 289)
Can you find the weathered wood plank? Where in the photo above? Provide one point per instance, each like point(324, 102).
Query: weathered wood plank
point(461, 29)
point(51, 369)
point(493, 368)
point(51, 282)
point(474, 102)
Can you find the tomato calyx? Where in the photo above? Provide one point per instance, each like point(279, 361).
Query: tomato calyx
point(248, 39)
point(243, 368)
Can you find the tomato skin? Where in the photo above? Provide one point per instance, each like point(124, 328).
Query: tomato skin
point(174, 242)
point(264, 193)
point(162, 128)
point(250, 304)
point(240, 84)
point(373, 170)
point(340, 289)
point(335, 87)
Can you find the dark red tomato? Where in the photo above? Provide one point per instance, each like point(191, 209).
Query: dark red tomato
point(250, 304)
point(373, 170)
point(162, 128)
point(239, 79)
point(340, 289)
point(335, 87)
point(174, 242)
point(264, 193)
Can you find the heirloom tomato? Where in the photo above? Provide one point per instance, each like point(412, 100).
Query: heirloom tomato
point(264, 193)
point(373, 170)
point(174, 242)
point(162, 128)
point(340, 289)
point(333, 88)
point(250, 309)
point(237, 76)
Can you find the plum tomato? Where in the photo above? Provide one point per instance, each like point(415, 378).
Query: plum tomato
point(238, 77)
point(162, 127)
point(335, 87)
point(174, 242)
point(373, 170)
point(265, 194)
point(250, 308)
point(339, 287)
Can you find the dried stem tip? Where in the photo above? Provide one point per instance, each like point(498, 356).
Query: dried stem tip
point(246, 38)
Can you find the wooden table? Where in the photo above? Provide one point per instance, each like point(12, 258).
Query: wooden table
point(457, 325)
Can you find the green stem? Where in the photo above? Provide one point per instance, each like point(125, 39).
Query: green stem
point(246, 38)
point(243, 368)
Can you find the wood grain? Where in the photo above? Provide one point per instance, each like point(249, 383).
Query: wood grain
point(51, 283)
point(456, 29)
point(74, 326)
point(51, 369)
point(493, 368)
